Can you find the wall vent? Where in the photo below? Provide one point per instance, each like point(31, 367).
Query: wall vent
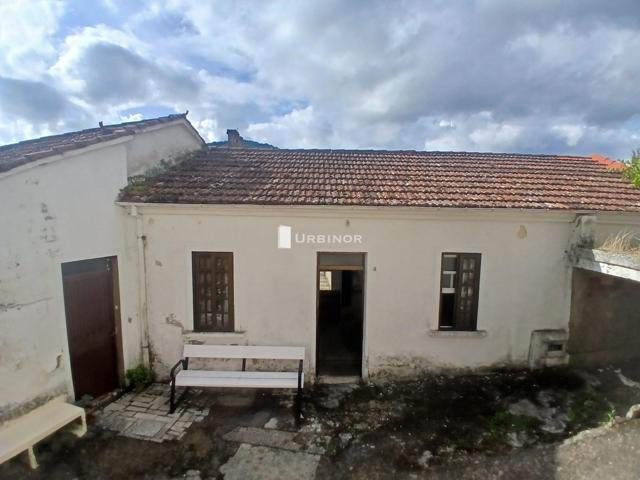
point(548, 348)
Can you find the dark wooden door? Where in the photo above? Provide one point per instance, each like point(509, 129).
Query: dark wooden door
point(91, 325)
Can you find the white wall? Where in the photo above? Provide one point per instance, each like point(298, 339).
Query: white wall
point(523, 280)
point(164, 142)
point(60, 210)
point(53, 213)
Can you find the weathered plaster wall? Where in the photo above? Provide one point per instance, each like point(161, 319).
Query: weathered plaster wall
point(605, 319)
point(60, 210)
point(164, 143)
point(54, 213)
point(524, 280)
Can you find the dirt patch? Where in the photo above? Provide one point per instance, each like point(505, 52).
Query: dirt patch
point(360, 431)
point(437, 420)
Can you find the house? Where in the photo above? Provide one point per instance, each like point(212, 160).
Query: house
point(57, 213)
point(380, 263)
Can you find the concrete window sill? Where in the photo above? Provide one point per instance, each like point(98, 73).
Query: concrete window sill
point(457, 334)
point(204, 336)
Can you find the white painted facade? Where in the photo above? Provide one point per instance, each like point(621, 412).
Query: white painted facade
point(524, 286)
point(63, 209)
point(57, 210)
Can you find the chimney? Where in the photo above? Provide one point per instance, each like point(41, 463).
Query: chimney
point(235, 140)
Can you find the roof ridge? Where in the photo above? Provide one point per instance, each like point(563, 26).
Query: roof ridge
point(26, 151)
point(105, 128)
point(402, 151)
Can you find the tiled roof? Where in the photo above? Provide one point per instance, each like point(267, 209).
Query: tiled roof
point(389, 178)
point(16, 154)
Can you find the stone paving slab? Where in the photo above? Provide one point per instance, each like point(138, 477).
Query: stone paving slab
point(145, 415)
point(265, 463)
point(266, 438)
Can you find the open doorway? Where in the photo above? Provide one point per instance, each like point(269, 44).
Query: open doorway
point(340, 297)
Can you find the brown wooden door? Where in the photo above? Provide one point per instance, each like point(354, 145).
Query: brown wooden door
point(91, 325)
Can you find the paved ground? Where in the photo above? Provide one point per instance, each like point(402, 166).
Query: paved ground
point(505, 425)
point(145, 415)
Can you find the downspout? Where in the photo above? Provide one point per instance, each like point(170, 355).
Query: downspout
point(142, 285)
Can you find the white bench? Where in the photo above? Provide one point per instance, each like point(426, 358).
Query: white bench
point(21, 434)
point(237, 378)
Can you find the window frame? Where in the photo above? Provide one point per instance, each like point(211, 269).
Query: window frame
point(473, 327)
point(197, 328)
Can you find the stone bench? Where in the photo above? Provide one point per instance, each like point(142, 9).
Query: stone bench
point(20, 435)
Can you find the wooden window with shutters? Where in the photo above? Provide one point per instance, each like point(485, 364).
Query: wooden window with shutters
point(459, 288)
point(212, 291)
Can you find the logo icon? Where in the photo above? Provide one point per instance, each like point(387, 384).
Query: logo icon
point(284, 236)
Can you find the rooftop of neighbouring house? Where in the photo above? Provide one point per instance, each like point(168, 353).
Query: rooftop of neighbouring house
point(21, 153)
point(236, 175)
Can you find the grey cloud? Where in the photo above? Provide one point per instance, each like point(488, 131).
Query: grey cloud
point(38, 103)
point(528, 63)
point(113, 74)
point(531, 75)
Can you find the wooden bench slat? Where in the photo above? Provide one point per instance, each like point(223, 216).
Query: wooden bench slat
point(244, 351)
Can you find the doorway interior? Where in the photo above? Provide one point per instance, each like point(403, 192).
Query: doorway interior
point(340, 314)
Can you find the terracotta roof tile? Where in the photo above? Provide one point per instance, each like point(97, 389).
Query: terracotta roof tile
point(16, 154)
point(389, 178)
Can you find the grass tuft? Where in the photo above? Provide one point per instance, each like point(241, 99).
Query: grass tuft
point(622, 242)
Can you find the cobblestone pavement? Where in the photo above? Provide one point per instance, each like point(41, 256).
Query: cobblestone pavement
point(145, 415)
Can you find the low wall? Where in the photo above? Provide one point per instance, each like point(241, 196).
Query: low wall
point(605, 319)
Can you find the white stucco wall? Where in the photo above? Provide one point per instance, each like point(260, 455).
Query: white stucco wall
point(164, 142)
point(53, 213)
point(58, 210)
point(524, 281)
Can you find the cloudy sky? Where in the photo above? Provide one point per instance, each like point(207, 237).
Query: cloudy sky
point(488, 75)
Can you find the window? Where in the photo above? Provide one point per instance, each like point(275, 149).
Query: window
point(459, 285)
point(326, 280)
point(212, 291)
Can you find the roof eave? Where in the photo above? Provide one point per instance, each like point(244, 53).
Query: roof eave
point(396, 211)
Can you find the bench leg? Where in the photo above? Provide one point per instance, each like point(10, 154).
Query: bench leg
point(79, 429)
point(172, 401)
point(31, 458)
point(298, 408)
point(298, 402)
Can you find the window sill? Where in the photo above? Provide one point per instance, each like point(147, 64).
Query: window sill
point(457, 333)
point(203, 336)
